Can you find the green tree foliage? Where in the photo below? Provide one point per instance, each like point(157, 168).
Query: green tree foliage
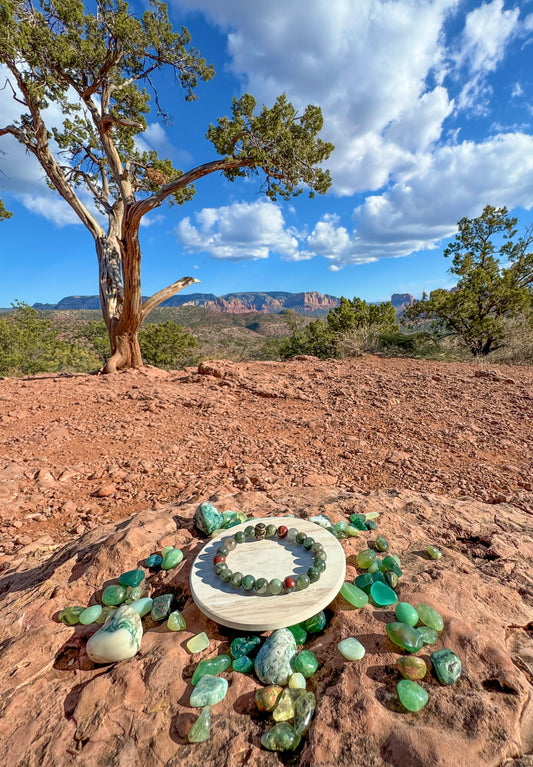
point(29, 344)
point(350, 315)
point(99, 69)
point(3, 212)
point(94, 333)
point(166, 345)
point(495, 272)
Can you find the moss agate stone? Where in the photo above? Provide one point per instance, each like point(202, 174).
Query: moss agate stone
point(405, 636)
point(212, 666)
point(133, 593)
point(365, 558)
point(198, 643)
point(131, 578)
point(412, 696)
point(176, 621)
point(315, 623)
point(142, 606)
point(381, 543)
point(391, 579)
point(429, 635)
point(242, 646)
point(106, 614)
point(412, 667)
point(207, 518)
point(244, 664)
point(267, 697)
point(90, 614)
point(447, 665)
point(208, 691)
point(70, 616)
point(304, 708)
point(305, 663)
point(201, 729)
point(273, 661)
point(299, 633)
point(382, 595)
point(114, 595)
point(430, 617)
point(161, 607)
point(351, 648)
point(354, 595)
point(281, 737)
point(119, 639)
point(406, 613)
point(172, 559)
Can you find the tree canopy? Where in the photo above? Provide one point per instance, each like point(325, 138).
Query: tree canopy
point(100, 70)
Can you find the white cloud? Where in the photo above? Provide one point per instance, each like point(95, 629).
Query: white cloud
point(486, 33)
point(334, 268)
point(239, 232)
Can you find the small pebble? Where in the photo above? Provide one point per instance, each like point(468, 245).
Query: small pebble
point(198, 643)
point(351, 648)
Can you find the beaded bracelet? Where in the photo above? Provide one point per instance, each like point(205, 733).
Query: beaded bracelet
point(276, 586)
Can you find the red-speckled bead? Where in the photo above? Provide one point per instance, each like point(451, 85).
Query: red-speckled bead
point(289, 584)
point(282, 531)
point(219, 558)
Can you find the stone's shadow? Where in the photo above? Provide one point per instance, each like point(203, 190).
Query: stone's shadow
point(423, 555)
point(245, 704)
point(388, 697)
point(387, 675)
point(374, 644)
point(71, 656)
point(180, 726)
point(385, 616)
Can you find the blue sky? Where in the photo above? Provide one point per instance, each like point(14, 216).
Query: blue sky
point(429, 105)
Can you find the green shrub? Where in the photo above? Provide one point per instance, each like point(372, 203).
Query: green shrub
point(166, 345)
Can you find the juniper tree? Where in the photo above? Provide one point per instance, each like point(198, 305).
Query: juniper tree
point(99, 69)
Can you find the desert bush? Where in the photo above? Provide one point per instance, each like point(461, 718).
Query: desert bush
point(94, 334)
point(517, 342)
point(166, 345)
point(357, 341)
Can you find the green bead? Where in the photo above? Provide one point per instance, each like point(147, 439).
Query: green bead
point(412, 667)
point(299, 633)
point(70, 616)
point(351, 532)
point(434, 552)
point(390, 563)
point(365, 558)
point(381, 543)
point(354, 595)
point(249, 531)
point(308, 542)
point(302, 582)
point(429, 616)
point(248, 582)
point(172, 559)
point(429, 635)
point(412, 696)
point(447, 665)
point(90, 614)
point(176, 621)
point(405, 636)
point(236, 580)
point(305, 663)
point(225, 575)
point(131, 578)
point(220, 567)
point(406, 613)
point(320, 565)
point(304, 708)
point(133, 593)
point(281, 737)
point(351, 648)
point(261, 586)
point(382, 594)
point(208, 691)
point(113, 595)
point(161, 606)
point(211, 666)
point(243, 664)
point(314, 574)
point(275, 586)
point(300, 538)
point(201, 729)
point(271, 531)
point(240, 536)
point(142, 606)
point(315, 623)
point(242, 646)
point(321, 554)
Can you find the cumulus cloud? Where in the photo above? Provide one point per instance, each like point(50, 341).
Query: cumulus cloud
point(486, 33)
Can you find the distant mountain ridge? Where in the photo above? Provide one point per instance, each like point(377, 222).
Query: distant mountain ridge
point(272, 302)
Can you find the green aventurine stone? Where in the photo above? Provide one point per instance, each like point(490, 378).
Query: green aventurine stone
point(381, 543)
point(299, 633)
point(70, 616)
point(430, 617)
point(405, 636)
point(133, 593)
point(429, 635)
point(281, 737)
point(165, 550)
point(230, 519)
point(208, 691)
point(364, 582)
point(106, 613)
point(161, 607)
point(114, 595)
point(176, 621)
point(411, 695)
point(131, 578)
point(447, 665)
point(433, 552)
point(198, 643)
point(244, 664)
point(406, 613)
point(302, 582)
point(391, 579)
point(351, 648)
point(305, 663)
point(201, 729)
point(382, 594)
point(304, 708)
point(90, 614)
point(354, 595)
point(390, 563)
point(142, 606)
point(211, 666)
point(365, 558)
point(275, 586)
point(242, 646)
point(316, 623)
point(370, 524)
point(412, 667)
point(351, 532)
point(172, 559)
point(372, 515)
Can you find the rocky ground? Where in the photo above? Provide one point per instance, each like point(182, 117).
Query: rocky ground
point(443, 451)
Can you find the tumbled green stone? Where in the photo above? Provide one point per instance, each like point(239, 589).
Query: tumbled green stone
point(131, 578)
point(370, 524)
point(114, 595)
point(365, 558)
point(70, 616)
point(207, 518)
point(357, 518)
point(429, 635)
point(372, 515)
point(133, 593)
point(161, 607)
point(302, 582)
point(391, 579)
point(176, 621)
point(211, 666)
point(447, 665)
point(382, 594)
point(412, 667)
point(248, 582)
point(142, 606)
point(165, 550)
point(154, 561)
point(299, 633)
point(381, 543)
point(198, 643)
point(339, 528)
point(315, 623)
point(172, 559)
point(314, 574)
point(90, 614)
point(375, 566)
point(397, 559)
point(297, 681)
point(267, 697)
point(275, 586)
point(284, 707)
point(429, 616)
point(434, 552)
point(305, 663)
point(364, 582)
point(236, 580)
point(389, 563)
point(359, 524)
point(351, 648)
point(412, 696)
point(406, 613)
point(304, 708)
point(281, 737)
point(230, 519)
point(243, 664)
point(351, 532)
point(106, 613)
point(208, 691)
point(405, 636)
point(242, 646)
point(201, 729)
point(354, 595)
